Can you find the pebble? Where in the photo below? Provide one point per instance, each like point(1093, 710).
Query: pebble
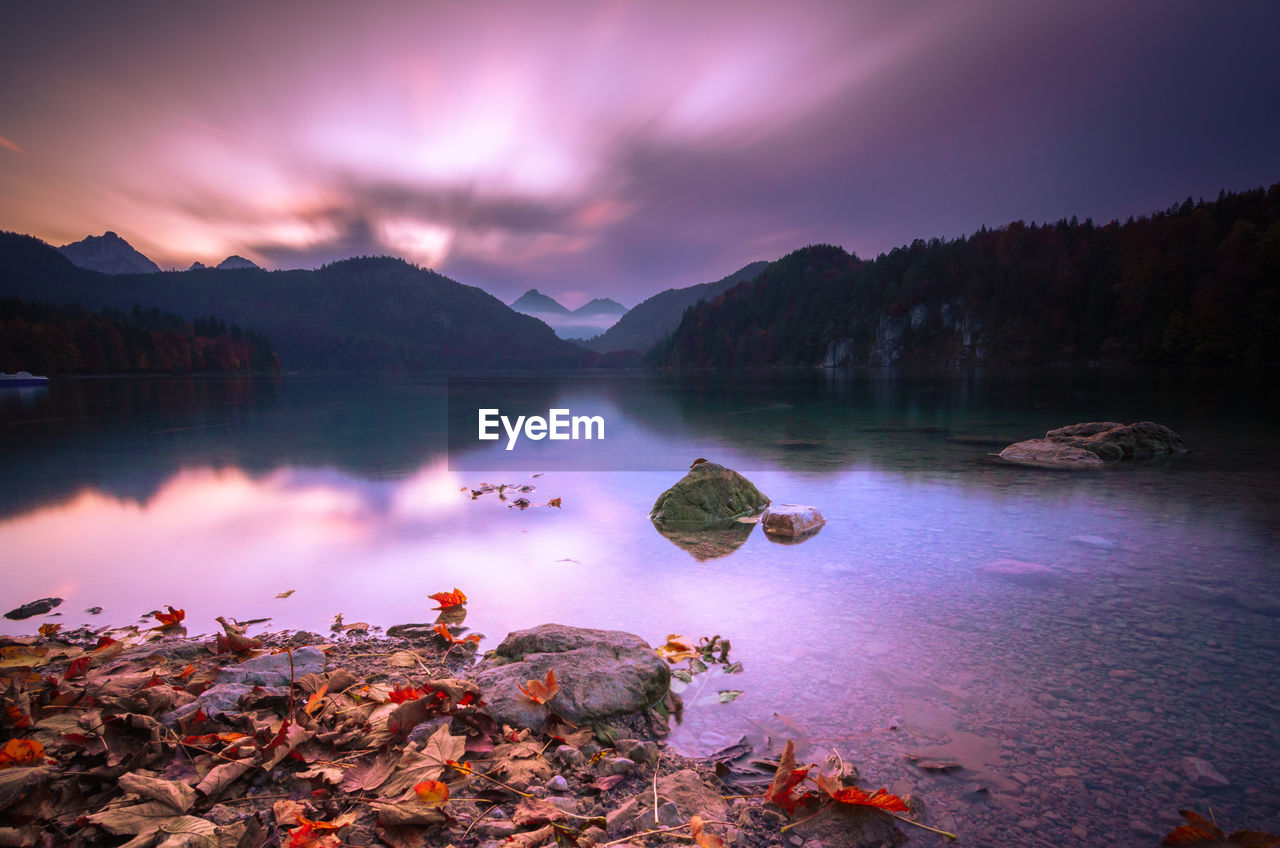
point(669, 815)
point(558, 784)
point(570, 755)
point(618, 765)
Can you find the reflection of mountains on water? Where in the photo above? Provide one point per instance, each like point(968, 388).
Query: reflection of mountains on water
point(127, 436)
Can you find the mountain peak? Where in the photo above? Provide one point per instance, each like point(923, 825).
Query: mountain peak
point(108, 253)
point(535, 302)
point(236, 262)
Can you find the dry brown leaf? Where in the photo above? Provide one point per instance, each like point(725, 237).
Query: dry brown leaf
point(536, 811)
point(701, 838)
point(178, 796)
point(370, 774)
point(430, 763)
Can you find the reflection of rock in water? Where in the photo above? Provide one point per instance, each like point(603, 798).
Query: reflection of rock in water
point(794, 540)
point(705, 542)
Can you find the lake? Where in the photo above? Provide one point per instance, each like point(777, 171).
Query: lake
point(1084, 705)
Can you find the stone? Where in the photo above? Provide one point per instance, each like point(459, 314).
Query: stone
point(218, 699)
point(1091, 445)
point(618, 765)
point(558, 784)
point(851, 827)
point(39, 607)
point(1043, 453)
point(602, 675)
point(275, 669)
point(669, 815)
point(708, 493)
point(1202, 774)
point(791, 520)
point(1021, 572)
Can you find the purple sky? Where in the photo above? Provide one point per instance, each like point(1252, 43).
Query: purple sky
point(614, 149)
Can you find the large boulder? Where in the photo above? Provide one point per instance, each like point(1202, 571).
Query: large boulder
point(1092, 444)
point(602, 674)
point(708, 493)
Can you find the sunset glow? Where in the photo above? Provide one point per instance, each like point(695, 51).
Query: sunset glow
point(609, 148)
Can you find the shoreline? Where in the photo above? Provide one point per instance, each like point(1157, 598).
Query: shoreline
point(151, 736)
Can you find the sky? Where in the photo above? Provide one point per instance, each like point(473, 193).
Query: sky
point(614, 149)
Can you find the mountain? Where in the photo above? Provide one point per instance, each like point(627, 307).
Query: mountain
point(236, 263)
point(647, 322)
point(602, 306)
point(580, 323)
point(534, 302)
point(109, 254)
point(1198, 282)
point(198, 266)
point(365, 313)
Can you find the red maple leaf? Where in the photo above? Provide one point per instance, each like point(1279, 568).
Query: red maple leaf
point(854, 796)
point(782, 790)
point(171, 619)
point(449, 599)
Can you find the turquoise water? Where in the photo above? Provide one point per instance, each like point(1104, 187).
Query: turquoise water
point(1072, 700)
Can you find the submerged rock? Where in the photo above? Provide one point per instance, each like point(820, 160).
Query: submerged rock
point(39, 607)
point(1092, 444)
point(708, 493)
point(602, 674)
point(1021, 572)
point(791, 520)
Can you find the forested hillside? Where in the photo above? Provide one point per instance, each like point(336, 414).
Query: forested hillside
point(1198, 282)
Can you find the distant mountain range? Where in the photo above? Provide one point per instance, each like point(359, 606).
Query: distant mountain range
point(649, 321)
point(580, 323)
point(357, 314)
point(231, 263)
point(109, 254)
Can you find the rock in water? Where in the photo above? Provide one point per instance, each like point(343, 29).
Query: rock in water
point(1042, 453)
point(39, 607)
point(709, 492)
point(602, 674)
point(1091, 445)
point(791, 520)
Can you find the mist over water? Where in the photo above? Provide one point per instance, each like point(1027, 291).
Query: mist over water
point(1071, 697)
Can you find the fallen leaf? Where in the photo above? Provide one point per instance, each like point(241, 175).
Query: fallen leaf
point(536, 811)
point(443, 631)
point(286, 593)
point(171, 619)
point(429, 763)
point(1200, 831)
point(456, 598)
point(727, 695)
point(400, 694)
point(531, 839)
point(541, 691)
point(431, 792)
point(174, 794)
point(555, 502)
point(21, 752)
point(50, 628)
point(854, 796)
point(355, 626)
point(404, 659)
point(316, 699)
point(700, 838)
point(781, 791)
point(370, 774)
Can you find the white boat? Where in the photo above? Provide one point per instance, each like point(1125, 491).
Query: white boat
point(22, 378)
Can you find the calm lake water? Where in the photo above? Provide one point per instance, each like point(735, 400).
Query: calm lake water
point(1072, 701)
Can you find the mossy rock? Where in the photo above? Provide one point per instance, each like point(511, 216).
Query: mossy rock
point(708, 493)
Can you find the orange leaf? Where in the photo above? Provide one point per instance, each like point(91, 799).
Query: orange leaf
point(316, 699)
point(21, 752)
point(50, 629)
point(400, 694)
point(854, 796)
point(170, 619)
point(449, 599)
point(307, 835)
point(555, 502)
point(781, 790)
point(541, 691)
point(443, 630)
point(186, 672)
point(433, 793)
point(703, 840)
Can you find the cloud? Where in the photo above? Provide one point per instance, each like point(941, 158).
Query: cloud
point(10, 146)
